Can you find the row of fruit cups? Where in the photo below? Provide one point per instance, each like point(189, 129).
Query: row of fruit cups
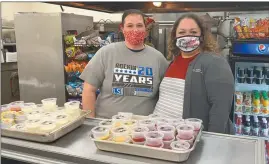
point(19, 111)
point(144, 132)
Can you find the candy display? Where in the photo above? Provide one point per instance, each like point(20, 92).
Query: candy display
point(255, 102)
point(250, 28)
point(74, 88)
point(124, 128)
point(34, 118)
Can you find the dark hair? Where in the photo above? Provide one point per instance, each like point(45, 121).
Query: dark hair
point(132, 11)
point(208, 42)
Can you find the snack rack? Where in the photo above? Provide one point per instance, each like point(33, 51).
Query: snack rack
point(249, 61)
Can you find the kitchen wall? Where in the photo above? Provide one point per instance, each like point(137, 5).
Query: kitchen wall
point(10, 8)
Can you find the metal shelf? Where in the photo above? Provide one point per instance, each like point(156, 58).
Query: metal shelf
point(249, 87)
point(251, 114)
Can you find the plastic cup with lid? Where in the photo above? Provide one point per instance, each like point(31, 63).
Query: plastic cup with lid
point(194, 122)
point(49, 104)
point(180, 145)
point(138, 134)
point(28, 107)
point(150, 124)
point(117, 120)
point(100, 133)
point(120, 134)
point(154, 116)
point(106, 123)
point(162, 121)
point(168, 131)
point(176, 122)
point(16, 105)
point(190, 141)
point(167, 143)
point(72, 108)
point(185, 131)
point(154, 139)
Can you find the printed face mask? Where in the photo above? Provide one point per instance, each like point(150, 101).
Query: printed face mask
point(188, 43)
point(134, 37)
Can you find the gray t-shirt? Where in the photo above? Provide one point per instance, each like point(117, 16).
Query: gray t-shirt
point(128, 81)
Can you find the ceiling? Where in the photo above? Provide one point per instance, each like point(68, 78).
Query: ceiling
point(148, 7)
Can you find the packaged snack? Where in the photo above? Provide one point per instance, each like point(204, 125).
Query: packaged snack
point(247, 98)
point(238, 98)
point(256, 109)
point(252, 24)
point(69, 39)
point(244, 25)
point(238, 28)
point(70, 51)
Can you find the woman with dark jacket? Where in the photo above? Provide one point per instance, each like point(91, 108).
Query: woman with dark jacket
point(198, 82)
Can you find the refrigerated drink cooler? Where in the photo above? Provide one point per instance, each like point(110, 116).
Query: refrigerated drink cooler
point(249, 60)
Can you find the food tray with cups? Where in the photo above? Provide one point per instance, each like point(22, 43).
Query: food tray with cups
point(139, 137)
point(44, 122)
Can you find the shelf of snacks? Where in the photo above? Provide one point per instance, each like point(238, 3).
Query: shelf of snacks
point(250, 29)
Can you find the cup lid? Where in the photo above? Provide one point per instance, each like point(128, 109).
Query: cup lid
point(180, 145)
point(147, 122)
point(141, 129)
point(106, 122)
point(166, 128)
point(154, 135)
point(99, 129)
point(185, 127)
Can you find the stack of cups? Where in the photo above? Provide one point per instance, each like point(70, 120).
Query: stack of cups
point(185, 132)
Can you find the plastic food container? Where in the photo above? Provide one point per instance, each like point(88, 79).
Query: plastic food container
point(117, 120)
point(154, 139)
point(150, 124)
point(166, 144)
point(32, 125)
point(195, 122)
point(130, 123)
point(154, 116)
point(100, 133)
point(16, 106)
point(138, 134)
point(19, 127)
point(5, 107)
point(47, 126)
point(34, 115)
point(72, 108)
point(168, 131)
point(176, 122)
point(72, 105)
point(20, 117)
point(190, 141)
point(61, 119)
point(106, 123)
point(120, 134)
point(185, 131)
point(49, 102)
point(28, 107)
point(162, 121)
point(180, 145)
point(126, 115)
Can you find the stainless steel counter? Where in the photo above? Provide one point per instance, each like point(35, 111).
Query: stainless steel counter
point(77, 147)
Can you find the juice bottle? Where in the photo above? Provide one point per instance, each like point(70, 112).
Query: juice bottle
point(247, 126)
point(239, 124)
point(264, 128)
point(255, 128)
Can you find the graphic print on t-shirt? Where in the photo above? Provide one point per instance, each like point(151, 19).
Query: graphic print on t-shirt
point(132, 80)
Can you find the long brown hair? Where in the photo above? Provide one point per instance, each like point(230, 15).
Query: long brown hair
point(208, 43)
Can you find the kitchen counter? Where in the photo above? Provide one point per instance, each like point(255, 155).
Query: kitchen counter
point(77, 147)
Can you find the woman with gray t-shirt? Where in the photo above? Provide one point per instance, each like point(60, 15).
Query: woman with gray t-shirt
point(127, 73)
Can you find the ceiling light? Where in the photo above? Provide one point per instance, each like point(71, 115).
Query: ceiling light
point(157, 4)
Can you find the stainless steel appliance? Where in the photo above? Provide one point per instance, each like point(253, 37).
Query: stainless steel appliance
point(40, 51)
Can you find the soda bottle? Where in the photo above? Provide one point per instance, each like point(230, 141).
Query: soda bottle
point(239, 124)
point(264, 128)
point(247, 126)
point(255, 128)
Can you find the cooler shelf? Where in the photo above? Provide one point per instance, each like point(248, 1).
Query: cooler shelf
point(250, 87)
point(250, 114)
